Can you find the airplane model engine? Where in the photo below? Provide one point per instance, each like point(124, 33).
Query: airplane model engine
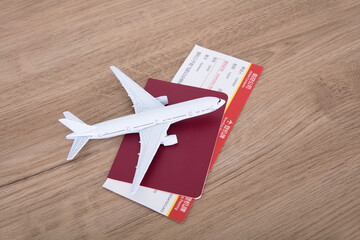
point(169, 140)
point(163, 100)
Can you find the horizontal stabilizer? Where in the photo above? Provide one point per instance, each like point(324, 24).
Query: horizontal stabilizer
point(70, 116)
point(76, 127)
point(77, 145)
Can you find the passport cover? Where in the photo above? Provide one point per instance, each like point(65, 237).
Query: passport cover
point(180, 168)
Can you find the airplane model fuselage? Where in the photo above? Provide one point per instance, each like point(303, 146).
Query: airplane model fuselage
point(136, 122)
point(151, 120)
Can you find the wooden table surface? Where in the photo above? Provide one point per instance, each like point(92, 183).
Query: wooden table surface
point(290, 168)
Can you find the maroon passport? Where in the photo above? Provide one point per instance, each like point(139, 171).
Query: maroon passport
point(180, 168)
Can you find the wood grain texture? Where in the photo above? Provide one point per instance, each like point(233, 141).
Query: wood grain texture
point(290, 169)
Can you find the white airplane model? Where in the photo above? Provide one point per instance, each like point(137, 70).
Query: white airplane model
point(151, 120)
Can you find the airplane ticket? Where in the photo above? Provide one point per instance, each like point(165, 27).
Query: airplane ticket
point(212, 70)
point(208, 69)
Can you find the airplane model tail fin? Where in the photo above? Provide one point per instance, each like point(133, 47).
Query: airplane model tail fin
point(77, 126)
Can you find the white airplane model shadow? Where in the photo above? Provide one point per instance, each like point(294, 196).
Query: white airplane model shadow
point(151, 120)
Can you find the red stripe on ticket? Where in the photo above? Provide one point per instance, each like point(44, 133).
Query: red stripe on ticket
point(182, 205)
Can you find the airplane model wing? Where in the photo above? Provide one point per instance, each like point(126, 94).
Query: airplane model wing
point(151, 137)
point(141, 99)
point(150, 140)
